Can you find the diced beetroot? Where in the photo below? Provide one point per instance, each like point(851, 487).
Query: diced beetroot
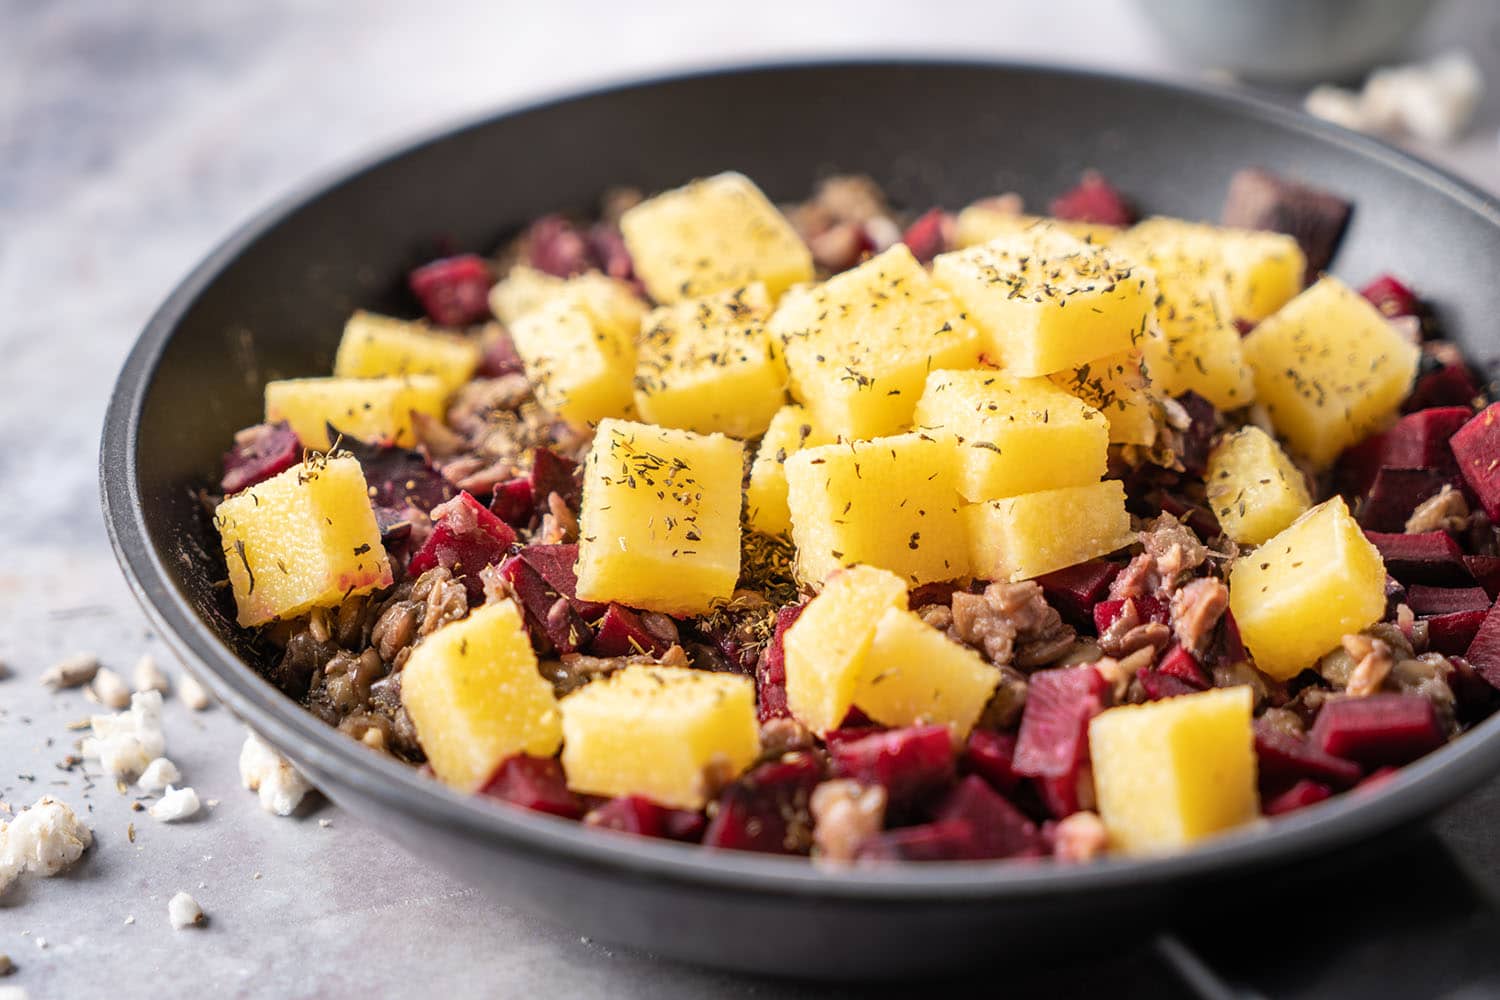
point(552, 473)
point(1483, 653)
point(512, 502)
point(1053, 740)
point(555, 564)
point(534, 783)
point(770, 679)
point(908, 762)
point(554, 245)
point(1378, 729)
point(1420, 440)
point(1065, 795)
point(1452, 633)
point(1158, 685)
point(455, 291)
point(1197, 440)
point(945, 840)
point(1196, 516)
point(1476, 446)
point(1475, 696)
point(1301, 795)
point(1000, 829)
point(1287, 758)
point(400, 477)
point(931, 593)
point(607, 246)
point(465, 539)
point(1147, 608)
point(259, 453)
point(551, 620)
point(685, 825)
point(1391, 297)
point(1259, 199)
point(1357, 466)
point(629, 814)
point(500, 358)
point(1446, 600)
point(1486, 573)
point(1228, 645)
point(1431, 557)
point(928, 236)
point(767, 809)
point(1446, 385)
point(1396, 493)
point(1182, 664)
point(1094, 200)
point(991, 755)
point(1075, 591)
point(619, 632)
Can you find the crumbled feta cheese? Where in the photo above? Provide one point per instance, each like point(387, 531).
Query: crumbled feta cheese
point(158, 775)
point(14, 993)
point(193, 694)
point(262, 769)
point(147, 676)
point(183, 910)
point(73, 672)
point(176, 804)
point(1433, 100)
point(44, 839)
point(110, 690)
point(126, 743)
point(1340, 106)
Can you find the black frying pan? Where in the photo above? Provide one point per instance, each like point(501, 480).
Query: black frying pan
point(271, 303)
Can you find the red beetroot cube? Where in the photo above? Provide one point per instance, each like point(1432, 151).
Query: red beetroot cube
point(1358, 465)
point(1000, 829)
point(929, 235)
point(1452, 634)
point(770, 674)
point(1228, 646)
point(1426, 600)
point(1158, 685)
point(1093, 200)
point(1284, 757)
point(1301, 795)
point(1486, 573)
point(259, 453)
point(549, 617)
point(512, 502)
point(1391, 297)
point(629, 814)
point(1450, 385)
point(1483, 653)
point(991, 755)
point(1053, 741)
point(1476, 446)
point(945, 840)
point(500, 358)
point(536, 783)
point(620, 632)
point(465, 539)
point(1182, 664)
point(554, 245)
point(1431, 557)
point(552, 473)
point(455, 291)
point(1063, 796)
point(1379, 729)
point(1395, 493)
point(767, 809)
point(555, 565)
point(1147, 609)
point(908, 762)
point(607, 246)
point(1420, 440)
point(1075, 591)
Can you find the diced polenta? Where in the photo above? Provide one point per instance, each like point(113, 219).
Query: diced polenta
point(368, 409)
point(1013, 435)
point(375, 345)
point(1300, 593)
point(1329, 369)
point(1254, 489)
point(610, 300)
point(713, 235)
point(1171, 772)
point(580, 367)
point(475, 695)
point(1045, 301)
point(860, 345)
point(891, 502)
point(708, 365)
point(1263, 270)
point(1118, 387)
point(660, 526)
point(915, 674)
point(1023, 537)
point(669, 734)
point(1195, 346)
point(827, 646)
point(980, 223)
point(303, 539)
point(791, 430)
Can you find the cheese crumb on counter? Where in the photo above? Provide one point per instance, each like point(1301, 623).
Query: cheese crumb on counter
point(127, 742)
point(176, 804)
point(183, 910)
point(45, 839)
point(262, 769)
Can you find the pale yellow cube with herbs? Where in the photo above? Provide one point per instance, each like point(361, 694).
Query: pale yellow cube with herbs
point(827, 646)
point(791, 430)
point(367, 409)
point(660, 525)
point(1013, 435)
point(860, 345)
point(709, 365)
point(476, 698)
point(891, 502)
point(524, 289)
point(1254, 489)
point(669, 734)
point(580, 367)
point(1170, 773)
point(375, 345)
point(980, 223)
point(713, 235)
point(916, 675)
point(1046, 302)
point(1263, 270)
point(1296, 597)
point(305, 538)
point(1195, 345)
point(1330, 370)
point(1118, 386)
point(1026, 536)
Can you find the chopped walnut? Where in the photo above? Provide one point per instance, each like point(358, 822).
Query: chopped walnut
point(781, 736)
point(1080, 837)
point(1011, 623)
point(444, 599)
point(1373, 663)
point(1283, 721)
point(1447, 511)
point(845, 814)
point(1175, 548)
point(1196, 610)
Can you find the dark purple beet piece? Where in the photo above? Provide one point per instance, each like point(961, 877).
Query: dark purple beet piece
point(928, 235)
point(1356, 468)
point(1182, 664)
point(607, 246)
point(619, 632)
point(1446, 600)
point(1053, 741)
point(551, 620)
point(534, 783)
point(1301, 795)
point(1391, 297)
point(932, 593)
point(1259, 199)
point(465, 539)
point(398, 477)
point(555, 564)
point(500, 358)
point(1379, 729)
point(1147, 608)
point(1483, 653)
point(1000, 829)
point(512, 502)
point(1158, 685)
point(945, 840)
point(1476, 446)
point(1195, 516)
point(1198, 438)
point(1486, 573)
point(1451, 634)
point(991, 755)
point(554, 245)
point(1431, 557)
point(552, 473)
point(1076, 590)
point(908, 762)
point(259, 453)
point(1420, 440)
point(1093, 200)
point(1286, 758)
point(1446, 385)
point(1228, 645)
point(770, 674)
point(767, 809)
point(1396, 493)
point(455, 291)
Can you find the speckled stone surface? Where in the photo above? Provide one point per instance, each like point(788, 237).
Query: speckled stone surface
point(133, 136)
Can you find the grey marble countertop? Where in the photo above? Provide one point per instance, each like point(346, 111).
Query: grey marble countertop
point(133, 136)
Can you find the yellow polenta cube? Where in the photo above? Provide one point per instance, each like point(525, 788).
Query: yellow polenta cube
point(524, 289)
point(1117, 386)
point(1045, 301)
point(980, 223)
point(660, 526)
point(669, 734)
point(827, 646)
point(713, 235)
point(1013, 435)
point(1195, 345)
point(376, 345)
point(475, 695)
point(708, 365)
point(368, 409)
point(1254, 489)
point(1262, 270)
point(891, 502)
point(303, 539)
point(1329, 369)
point(1171, 772)
point(1023, 537)
point(860, 345)
point(580, 367)
point(1300, 593)
point(915, 674)
point(791, 430)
